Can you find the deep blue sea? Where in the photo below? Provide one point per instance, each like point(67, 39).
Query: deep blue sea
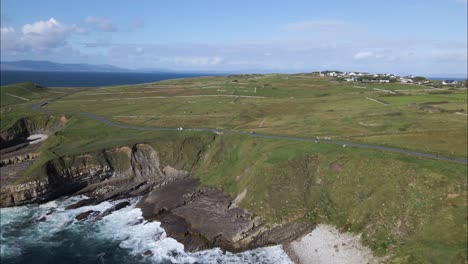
point(87, 79)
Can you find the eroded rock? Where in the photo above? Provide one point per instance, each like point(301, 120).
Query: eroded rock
point(114, 173)
point(202, 218)
point(115, 208)
point(81, 203)
point(85, 215)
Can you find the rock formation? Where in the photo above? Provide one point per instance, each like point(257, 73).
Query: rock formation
point(115, 173)
point(199, 217)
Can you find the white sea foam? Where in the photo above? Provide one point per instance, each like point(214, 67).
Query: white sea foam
point(126, 227)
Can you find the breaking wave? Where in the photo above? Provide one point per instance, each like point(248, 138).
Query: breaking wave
point(48, 233)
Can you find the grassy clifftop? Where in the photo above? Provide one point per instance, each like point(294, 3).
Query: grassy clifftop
point(407, 116)
point(411, 208)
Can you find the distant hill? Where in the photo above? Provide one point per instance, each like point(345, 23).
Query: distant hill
point(29, 65)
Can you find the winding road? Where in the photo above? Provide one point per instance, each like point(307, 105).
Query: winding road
point(38, 107)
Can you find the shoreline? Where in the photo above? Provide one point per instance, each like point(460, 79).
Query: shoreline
point(325, 244)
point(137, 238)
point(291, 254)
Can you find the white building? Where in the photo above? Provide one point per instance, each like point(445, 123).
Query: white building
point(449, 82)
point(406, 80)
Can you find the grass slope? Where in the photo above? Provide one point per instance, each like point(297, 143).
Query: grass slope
point(411, 209)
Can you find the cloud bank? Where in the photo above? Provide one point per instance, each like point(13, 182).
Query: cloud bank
point(309, 48)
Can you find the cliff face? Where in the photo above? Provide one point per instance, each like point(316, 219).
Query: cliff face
point(103, 175)
point(145, 163)
point(23, 193)
point(197, 216)
point(204, 217)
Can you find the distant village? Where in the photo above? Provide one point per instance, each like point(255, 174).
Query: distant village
point(365, 77)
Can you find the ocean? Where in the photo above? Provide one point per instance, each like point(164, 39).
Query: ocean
point(87, 79)
point(48, 233)
point(446, 78)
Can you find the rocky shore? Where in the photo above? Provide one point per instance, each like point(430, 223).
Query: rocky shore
point(198, 217)
point(202, 218)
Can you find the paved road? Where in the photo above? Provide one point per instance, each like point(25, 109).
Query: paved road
point(37, 107)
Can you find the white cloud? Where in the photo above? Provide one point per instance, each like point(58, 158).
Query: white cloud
point(364, 55)
point(100, 23)
point(41, 27)
point(47, 34)
point(9, 39)
point(7, 30)
point(40, 35)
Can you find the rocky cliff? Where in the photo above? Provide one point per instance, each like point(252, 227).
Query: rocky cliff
point(204, 217)
point(112, 173)
point(199, 217)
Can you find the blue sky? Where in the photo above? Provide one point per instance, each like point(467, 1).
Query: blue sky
point(426, 37)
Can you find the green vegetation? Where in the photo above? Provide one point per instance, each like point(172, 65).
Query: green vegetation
point(25, 92)
point(412, 209)
point(297, 105)
point(409, 208)
point(16, 101)
point(419, 78)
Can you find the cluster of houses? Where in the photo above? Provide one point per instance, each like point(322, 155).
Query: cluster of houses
point(366, 77)
point(361, 76)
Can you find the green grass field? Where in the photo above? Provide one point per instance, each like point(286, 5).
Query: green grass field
point(409, 208)
point(299, 105)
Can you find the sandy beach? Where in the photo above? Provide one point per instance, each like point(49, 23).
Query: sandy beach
point(326, 245)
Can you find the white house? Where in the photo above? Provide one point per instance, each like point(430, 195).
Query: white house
point(449, 82)
point(405, 80)
point(384, 81)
